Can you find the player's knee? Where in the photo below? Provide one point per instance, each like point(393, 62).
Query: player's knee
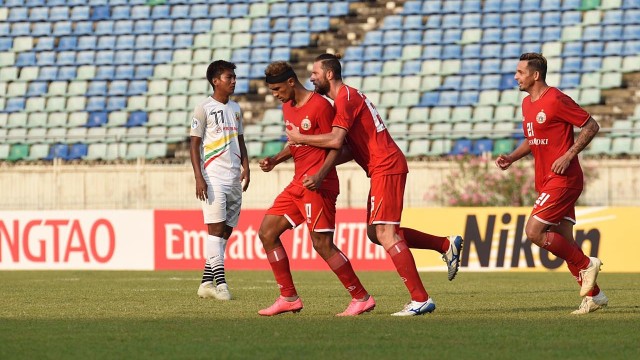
point(535, 237)
point(321, 244)
point(372, 235)
point(266, 235)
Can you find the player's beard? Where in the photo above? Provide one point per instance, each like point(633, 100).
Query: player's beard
point(322, 86)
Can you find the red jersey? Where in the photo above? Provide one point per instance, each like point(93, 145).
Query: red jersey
point(548, 126)
point(312, 118)
point(370, 142)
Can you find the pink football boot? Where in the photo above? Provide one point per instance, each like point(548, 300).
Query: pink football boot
point(281, 306)
point(357, 307)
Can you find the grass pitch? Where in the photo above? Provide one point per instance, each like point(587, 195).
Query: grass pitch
point(157, 315)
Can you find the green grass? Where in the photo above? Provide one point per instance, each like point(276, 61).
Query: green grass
point(112, 315)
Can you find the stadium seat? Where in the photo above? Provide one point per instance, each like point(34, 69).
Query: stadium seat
point(18, 152)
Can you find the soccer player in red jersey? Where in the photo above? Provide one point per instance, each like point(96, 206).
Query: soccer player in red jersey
point(357, 121)
point(548, 118)
point(310, 197)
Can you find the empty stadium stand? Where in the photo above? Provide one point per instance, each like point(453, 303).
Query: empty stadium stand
point(117, 79)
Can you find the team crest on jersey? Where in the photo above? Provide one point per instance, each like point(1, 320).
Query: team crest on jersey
point(194, 123)
point(541, 117)
point(305, 124)
point(237, 117)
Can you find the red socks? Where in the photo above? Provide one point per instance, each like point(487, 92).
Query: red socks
point(562, 248)
point(341, 266)
point(419, 240)
point(406, 267)
point(280, 265)
point(576, 274)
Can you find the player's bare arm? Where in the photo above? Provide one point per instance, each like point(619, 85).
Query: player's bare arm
point(245, 176)
point(201, 185)
point(588, 132)
point(269, 163)
point(505, 160)
point(345, 155)
point(332, 140)
point(313, 181)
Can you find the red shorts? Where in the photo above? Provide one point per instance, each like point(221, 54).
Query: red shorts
point(554, 205)
point(298, 204)
point(386, 199)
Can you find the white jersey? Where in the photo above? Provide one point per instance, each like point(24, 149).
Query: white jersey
point(219, 126)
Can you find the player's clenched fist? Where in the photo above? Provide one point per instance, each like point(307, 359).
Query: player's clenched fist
point(503, 162)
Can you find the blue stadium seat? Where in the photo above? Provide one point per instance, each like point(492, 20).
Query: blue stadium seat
point(201, 12)
point(432, 7)
point(593, 48)
point(14, 105)
point(531, 34)
point(431, 52)
point(260, 55)
point(451, 21)
point(461, 147)
point(281, 53)
point(491, 35)
point(339, 8)
point(412, 22)
point(41, 29)
point(631, 32)
point(434, 22)
point(77, 151)
point(120, 12)
point(490, 66)
point(451, 6)
point(507, 82)
point(185, 26)
point(492, 82)
point(97, 88)
point(430, 99)
point(104, 57)
point(449, 98)
point(281, 39)
point(320, 23)
point(48, 73)
point(412, 7)
point(613, 17)
point(300, 39)
point(632, 17)
point(572, 65)
point(161, 11)
point(353, 53)
point(392, 22)
point(572, 49)
point(373, 37)
point(21, 29)
point(143, 71)
point(162, 26)
point(257, 70)
point(43, 58)
point(282, 10)
point(238, 10)
point(411, 67)
point(372, 68)
point(18, 14)
point(66, 73)
point(452, 36)
point(66, 58)
point(118, 87)
point(261, 40)
point(124, 72)
point(36, 88)
point(470, 21)
point(592, 33)
point(6, 43)
point(432, 36)
point(412, 37)
point(471, 6)
point(372, 53)
point(105, 72)
point(552, 18)
point(260, 25)
point(300, 23)
point(122, 27)
point(123, 57)
point(141, 27)
point(451, 83)
point(471, 51)
point(137, 87)
point(613, 48)
point(592, 64)
point(491, 20)
point(26, 59)
point(242, 86)
point(490, 51)
point(137, 118)
point(58, 13)
point(162, 56)
point(58, 151)
point(569, 81)
point(571, 4)
point(97, 118)
point(281, 24)
point(163, 42)
point(530, 5)
point(512, 20)
point(100, 13)
point(631, 48)
point(551, 33)
point(482, 146)
point(140, 12)
point(510, 6)
point(571, 18)
point(550, 5)
point(471, 82)
point(612, 32)
point(631, 4)
point(470, 66)
point(392, 52)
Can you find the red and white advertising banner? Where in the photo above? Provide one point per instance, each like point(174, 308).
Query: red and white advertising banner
point(180, 235)
point(76, 240)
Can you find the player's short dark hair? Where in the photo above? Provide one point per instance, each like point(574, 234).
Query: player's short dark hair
point(331, 62)
point(536, 62)
point(216, 68)
point(278, 68)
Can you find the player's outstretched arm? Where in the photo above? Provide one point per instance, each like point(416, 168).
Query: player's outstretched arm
point(269, 163)
point(194, 151)
point(505, 160)
point(245, 176)
point(332, 140)
point(588, 132)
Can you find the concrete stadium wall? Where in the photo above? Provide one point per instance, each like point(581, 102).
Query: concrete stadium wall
point(60, 186)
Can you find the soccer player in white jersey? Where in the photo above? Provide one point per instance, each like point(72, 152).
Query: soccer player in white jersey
point(221, 169)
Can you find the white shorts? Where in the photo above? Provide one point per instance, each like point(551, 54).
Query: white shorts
point(222, 204)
